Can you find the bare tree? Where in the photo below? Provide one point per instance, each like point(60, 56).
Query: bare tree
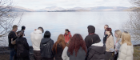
point(133, 24)
point(135, 2)
point(7, 17)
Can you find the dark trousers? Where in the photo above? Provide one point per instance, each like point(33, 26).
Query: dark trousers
point(109, 56)
point(37, 55)
point(12, 54)
point(47, 59)
point(116, 56)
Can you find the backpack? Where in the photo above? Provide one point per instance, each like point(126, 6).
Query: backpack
point(46, 50)
point(21, 51)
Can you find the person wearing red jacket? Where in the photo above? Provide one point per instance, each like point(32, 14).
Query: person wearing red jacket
point(67, 35)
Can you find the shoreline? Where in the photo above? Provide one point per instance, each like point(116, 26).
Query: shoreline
point(6, 50)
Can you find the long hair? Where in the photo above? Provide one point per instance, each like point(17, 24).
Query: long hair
point(126, 38)
point(119, 33)
point(75, 44)
point(60, 41)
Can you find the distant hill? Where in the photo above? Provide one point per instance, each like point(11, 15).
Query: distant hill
point(109, 8)
point(133, 9)
point(75, 9)
point(21, 9)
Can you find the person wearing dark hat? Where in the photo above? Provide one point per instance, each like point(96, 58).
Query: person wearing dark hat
point(96, 50)
point(90, 38)
point(36, 37)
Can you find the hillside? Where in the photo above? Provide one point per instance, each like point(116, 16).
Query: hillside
point(75, 9)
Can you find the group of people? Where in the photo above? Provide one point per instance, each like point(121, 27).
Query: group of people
point(68, 47)
point(19, 48)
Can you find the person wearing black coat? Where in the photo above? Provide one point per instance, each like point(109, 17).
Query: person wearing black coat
point(105, 35)
point(89, 40)
point(22, 47)
point(46, 46)
point(58, 54)
point(96, 50)
point(58, 47)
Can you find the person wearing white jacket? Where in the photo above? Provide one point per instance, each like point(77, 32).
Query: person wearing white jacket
point(64, 54)
point(36, 37)
point(126, 50)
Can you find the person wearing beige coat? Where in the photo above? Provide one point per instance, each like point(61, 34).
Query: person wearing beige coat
point(109, 44)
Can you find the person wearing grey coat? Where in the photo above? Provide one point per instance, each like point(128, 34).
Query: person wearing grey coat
point(77, 48)
point(81, 55)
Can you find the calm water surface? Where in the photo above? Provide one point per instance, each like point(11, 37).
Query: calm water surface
point(76, 22)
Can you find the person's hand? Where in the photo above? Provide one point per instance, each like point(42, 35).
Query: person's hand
point(12, 39)
point(116, 50)
point(16, 34)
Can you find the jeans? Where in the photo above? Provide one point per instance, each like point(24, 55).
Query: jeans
point(12, 53)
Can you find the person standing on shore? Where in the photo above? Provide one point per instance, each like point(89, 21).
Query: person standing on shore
point(22, 47)
point(90, 38)
point(46, 46)
point(105, 35)
point(96, 50)
point(109, 45)
point(67, 35)
point(58, 47)
point(118, 35)
point(12, 36)
point(126, 50)
point(36, 37)
point(77, 48)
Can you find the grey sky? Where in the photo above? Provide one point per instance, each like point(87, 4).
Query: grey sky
point(40, 4)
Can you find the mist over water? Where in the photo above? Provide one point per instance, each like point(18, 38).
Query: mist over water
point(76, 22)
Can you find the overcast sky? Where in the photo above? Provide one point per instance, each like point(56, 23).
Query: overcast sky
point(39, 4)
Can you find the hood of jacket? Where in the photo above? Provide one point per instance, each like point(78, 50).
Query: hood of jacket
point(98, 47)
point(100, 44)
point(45, 40)
point(47, 34)
point(37, 32)
point(91, 29)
